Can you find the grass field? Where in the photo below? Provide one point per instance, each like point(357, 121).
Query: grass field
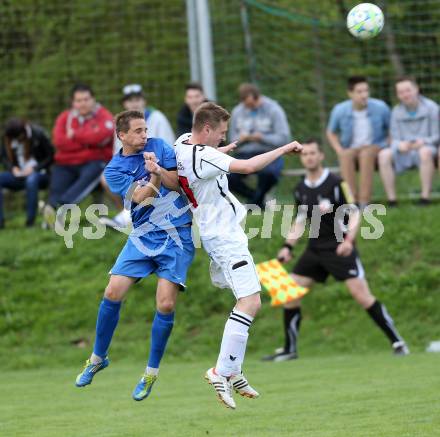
point(375, 395)
point(346, 383)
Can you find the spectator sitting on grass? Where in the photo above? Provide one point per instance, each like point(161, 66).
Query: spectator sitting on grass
point(414, 139)
point(27, 154)
point(83, 137)
point(260, 125)
point(357, 130)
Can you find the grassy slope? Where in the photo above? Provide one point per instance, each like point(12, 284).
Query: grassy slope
point(50, 295)
point(373, 395)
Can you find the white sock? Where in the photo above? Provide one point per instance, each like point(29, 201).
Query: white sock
point(95, 359)
point(151, 371)
point(234, 342)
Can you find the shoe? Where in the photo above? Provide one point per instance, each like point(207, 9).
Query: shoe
point(242, 387)
point(392, 204)
point(280, 355)
point(423, 201)
point(49, 217)
point(222, 386)
point(120, 222)
point(143, 389)
point(400, 348)
point(90, 369)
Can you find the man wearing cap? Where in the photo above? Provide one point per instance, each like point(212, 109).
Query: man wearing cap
point(133, 99)
point(158, 126)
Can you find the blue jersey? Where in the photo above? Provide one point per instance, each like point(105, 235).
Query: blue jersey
point(123, 173)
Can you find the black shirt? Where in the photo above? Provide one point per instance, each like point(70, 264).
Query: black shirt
point(184, 120)
point(319, 202)
point(40, 148)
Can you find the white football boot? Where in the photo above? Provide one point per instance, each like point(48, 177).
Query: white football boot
point(242, 387)
point(222, 386)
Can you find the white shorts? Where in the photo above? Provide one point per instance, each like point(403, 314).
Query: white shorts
point(232, 265)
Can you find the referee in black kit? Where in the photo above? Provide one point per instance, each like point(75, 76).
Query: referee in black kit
point(330, 250)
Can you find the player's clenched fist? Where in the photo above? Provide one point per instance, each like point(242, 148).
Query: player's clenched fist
point(152, 167)
point(293, 147)
point(150, 156)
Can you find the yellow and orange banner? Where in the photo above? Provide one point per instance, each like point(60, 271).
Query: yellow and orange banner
point(281, 287)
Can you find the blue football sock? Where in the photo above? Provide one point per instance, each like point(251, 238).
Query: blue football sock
point(108, 316)
point(160, 332)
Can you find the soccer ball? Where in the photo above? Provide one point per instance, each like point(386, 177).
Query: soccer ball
point(365, 21)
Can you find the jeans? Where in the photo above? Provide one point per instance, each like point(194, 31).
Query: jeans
point(266, 179)
point(31, 184)
point(72, 183)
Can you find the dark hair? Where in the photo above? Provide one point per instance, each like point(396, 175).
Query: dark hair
point(122, 120)
point(211, 114)
point(80, 88)
point(354, 80)
point(248, 89)
point(313, 140)
point(194, 86)
point(14, 128)
point(406, 79)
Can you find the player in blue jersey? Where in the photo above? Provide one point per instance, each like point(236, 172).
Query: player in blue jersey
point(144, 173)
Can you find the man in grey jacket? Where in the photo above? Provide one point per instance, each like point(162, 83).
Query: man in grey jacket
point(414, 138)
point(259, 125)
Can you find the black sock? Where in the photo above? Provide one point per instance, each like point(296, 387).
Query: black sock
point(380, 315)
point(292, 321)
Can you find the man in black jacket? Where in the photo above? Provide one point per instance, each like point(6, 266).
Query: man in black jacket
point(194, 97)
point(27, 154)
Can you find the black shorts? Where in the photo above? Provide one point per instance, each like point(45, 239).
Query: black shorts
point(319, 263)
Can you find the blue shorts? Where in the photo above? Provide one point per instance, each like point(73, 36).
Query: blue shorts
point(157, 252)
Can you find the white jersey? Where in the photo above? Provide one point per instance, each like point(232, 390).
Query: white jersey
point(202, 174)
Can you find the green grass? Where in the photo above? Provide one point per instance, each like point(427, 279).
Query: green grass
point(349, 395)
point(50, 294)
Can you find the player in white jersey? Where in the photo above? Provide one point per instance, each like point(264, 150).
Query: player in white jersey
point(202, 168)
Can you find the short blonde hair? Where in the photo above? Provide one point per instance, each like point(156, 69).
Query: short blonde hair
point(211, 114)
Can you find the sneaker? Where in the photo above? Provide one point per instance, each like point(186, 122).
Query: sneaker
point(222, 386)
point(90, 369)
point(49, 217)
point(242, 387)
point(120, 222)
point(280, 355)
point(423, 201)
point(392, 204)
point(143, 389)
point(400, 348)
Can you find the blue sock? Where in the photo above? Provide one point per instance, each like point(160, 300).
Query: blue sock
point(108, 316)
point(160, 332)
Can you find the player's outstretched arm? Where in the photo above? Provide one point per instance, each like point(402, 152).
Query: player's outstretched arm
point(256, 163)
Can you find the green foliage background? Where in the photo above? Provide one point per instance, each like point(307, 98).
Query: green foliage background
point(49, 295)
point(300, 53)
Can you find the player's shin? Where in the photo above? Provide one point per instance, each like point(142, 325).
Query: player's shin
point(108, 317)
point(160, 332)
point(380, 315)
point(292, 322)
point(234, 341)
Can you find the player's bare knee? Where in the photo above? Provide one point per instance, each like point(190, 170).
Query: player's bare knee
point(249, 304)
point(165, 304)
point(113, 292)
